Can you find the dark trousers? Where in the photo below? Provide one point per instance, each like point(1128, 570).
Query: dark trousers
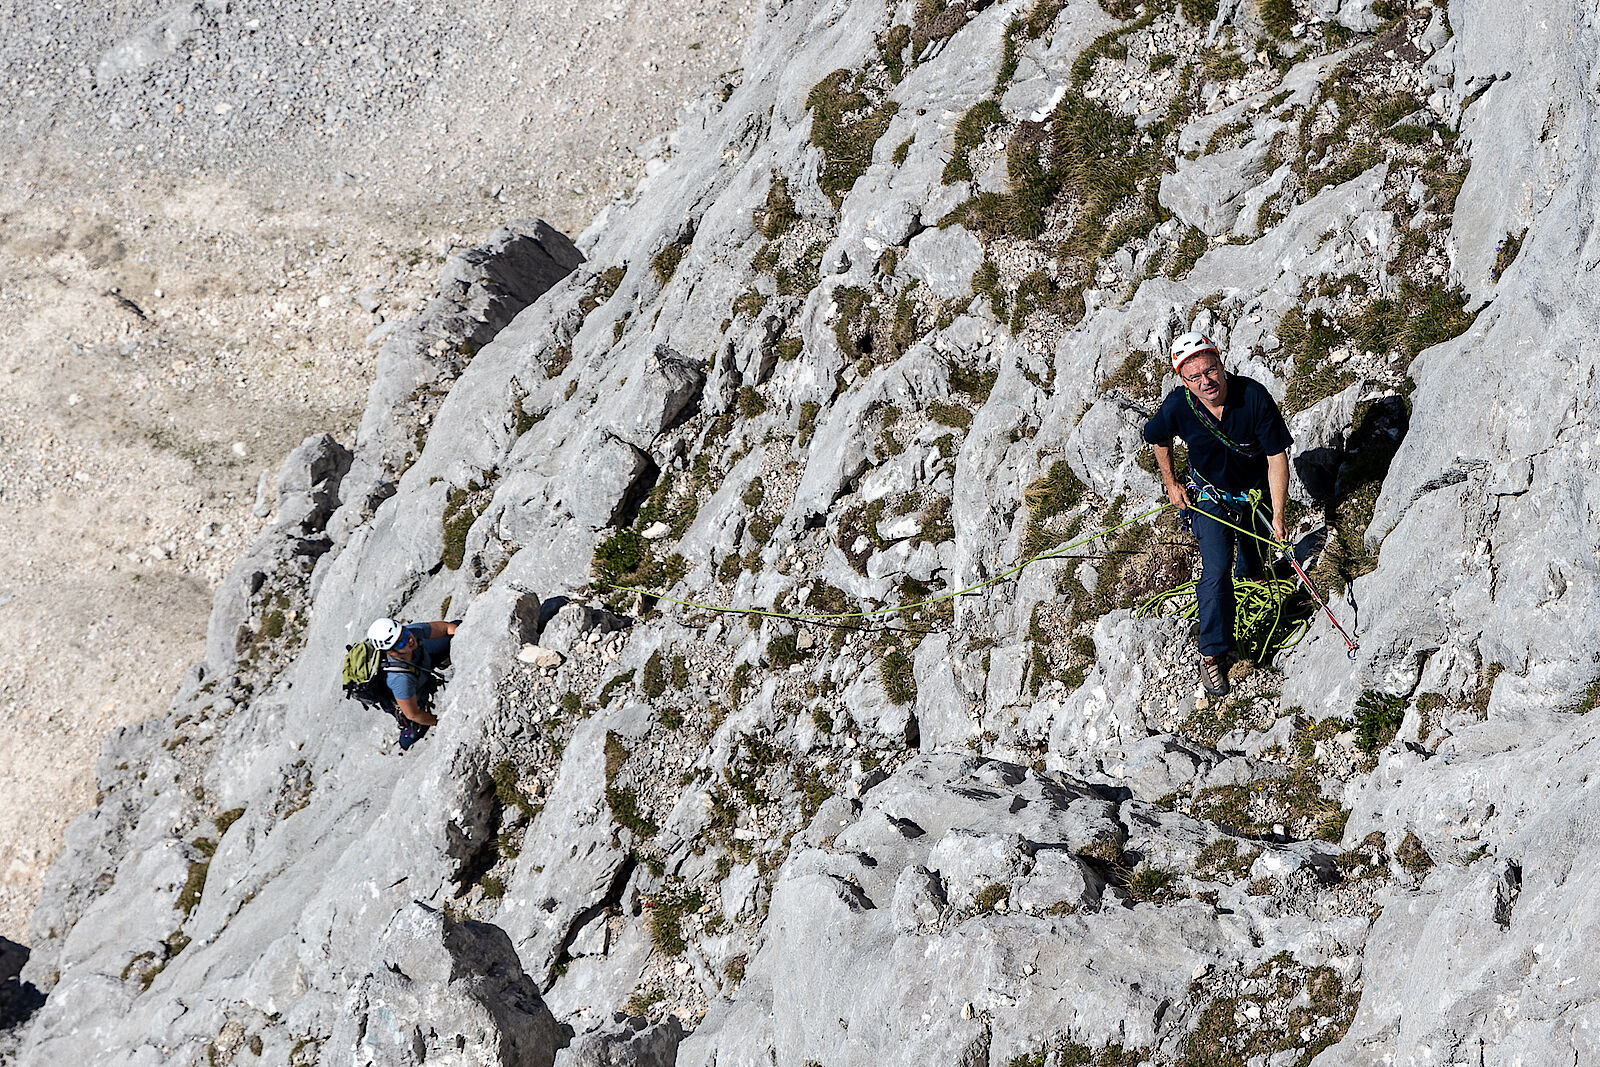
point(1224, 554)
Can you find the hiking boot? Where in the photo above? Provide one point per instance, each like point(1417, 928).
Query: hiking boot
point(1214, 675)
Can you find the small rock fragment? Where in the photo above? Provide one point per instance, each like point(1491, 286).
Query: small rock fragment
point(539, 657)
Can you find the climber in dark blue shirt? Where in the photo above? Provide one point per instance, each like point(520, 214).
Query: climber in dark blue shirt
point(412, 654)
point(1238, 445)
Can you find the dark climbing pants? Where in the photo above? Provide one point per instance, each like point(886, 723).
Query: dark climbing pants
point(1224, 554)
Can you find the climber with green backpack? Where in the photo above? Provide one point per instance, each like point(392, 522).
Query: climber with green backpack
point(395, 670)
point(1238, 455)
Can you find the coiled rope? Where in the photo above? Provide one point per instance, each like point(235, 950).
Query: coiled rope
point(1283, 551)
point(1259, 610)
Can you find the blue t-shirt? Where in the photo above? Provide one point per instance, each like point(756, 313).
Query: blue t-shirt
point(1250, 420)
point(407, 684)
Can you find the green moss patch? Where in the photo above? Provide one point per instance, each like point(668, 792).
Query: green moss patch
point(603, 288)
point(194, 885)
point(1378, 718)
point(462, 508)
point(1019, 31)
point(664, 264)
point(626, 558)
point(668, 909)
point(1295, 801)
point(846, 125)
point(1289, 1008)
point(1224, 860)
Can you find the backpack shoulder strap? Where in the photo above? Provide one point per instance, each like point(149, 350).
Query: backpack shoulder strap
point(392, 665)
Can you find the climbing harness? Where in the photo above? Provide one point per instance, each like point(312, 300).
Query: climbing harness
point(1283, 551)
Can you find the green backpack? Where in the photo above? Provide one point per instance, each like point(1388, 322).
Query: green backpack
point(362, 677)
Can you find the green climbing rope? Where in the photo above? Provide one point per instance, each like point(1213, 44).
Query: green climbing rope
point(1268, 617)
point(1262, 608)
point(1059, 550)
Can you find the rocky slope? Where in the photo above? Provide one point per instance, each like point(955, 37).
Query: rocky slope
point(208, 209)
point(881, 328)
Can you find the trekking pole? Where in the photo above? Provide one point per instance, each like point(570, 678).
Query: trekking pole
point(1350, 646)
point(1287, 551)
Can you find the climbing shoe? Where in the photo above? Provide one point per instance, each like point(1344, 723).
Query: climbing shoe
point(410, 734)
point(1214, 675)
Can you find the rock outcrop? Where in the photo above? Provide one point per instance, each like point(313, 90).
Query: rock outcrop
point(881, 329)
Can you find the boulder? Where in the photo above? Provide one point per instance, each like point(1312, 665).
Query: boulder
point(607, 477)
point(438, 989)
point(1208, 192)
point(628, 1039)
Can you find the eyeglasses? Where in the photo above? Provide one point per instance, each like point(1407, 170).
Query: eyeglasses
point(1213, 371)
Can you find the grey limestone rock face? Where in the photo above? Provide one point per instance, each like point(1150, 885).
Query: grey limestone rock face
point(633, 1042)
point(1158, 765)
point(1209, 193)
point(1104, 450)
point(569, 863)
point(918, 899)
point(923, 975)
point(1110, 713)
point(438, 987)
point(944, 260)
point(1319, 437)
point(669, 384)
point(917, 830)
point(482, 289)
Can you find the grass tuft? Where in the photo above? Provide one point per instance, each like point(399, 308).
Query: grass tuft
point(665, 262)
point(667, 912)
point(846, 126)
point(970, 132)
point(1049, 497)
point(1151, 884)
point(653, 682)
point(1378, 719)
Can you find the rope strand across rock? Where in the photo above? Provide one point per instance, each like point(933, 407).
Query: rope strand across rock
point(826, 617)
point(1256, 598)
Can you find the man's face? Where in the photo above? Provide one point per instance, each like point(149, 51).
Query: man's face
point(1204, 377)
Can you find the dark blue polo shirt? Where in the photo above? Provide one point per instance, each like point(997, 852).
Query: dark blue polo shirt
point(1250, 420)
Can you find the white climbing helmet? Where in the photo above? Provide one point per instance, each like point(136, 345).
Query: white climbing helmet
point(384, 634)
point(1191, 344)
